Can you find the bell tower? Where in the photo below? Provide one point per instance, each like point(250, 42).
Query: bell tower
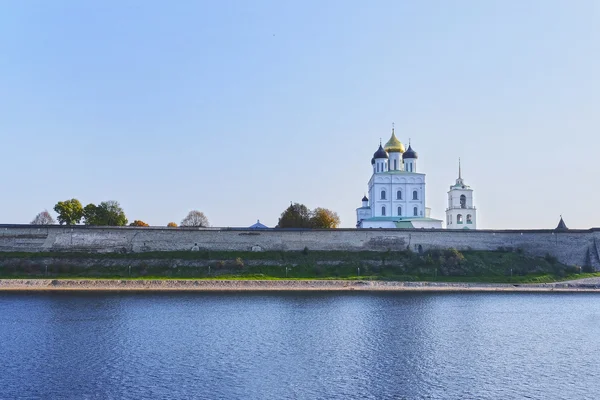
point(461, 213)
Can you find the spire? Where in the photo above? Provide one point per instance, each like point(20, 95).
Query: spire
point(561, 225)
point(459, 174)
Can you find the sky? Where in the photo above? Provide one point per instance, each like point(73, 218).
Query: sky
point(237, 108)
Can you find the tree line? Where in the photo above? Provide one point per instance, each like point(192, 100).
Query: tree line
point(107, 213)
point(299, 216)
point(110, 213)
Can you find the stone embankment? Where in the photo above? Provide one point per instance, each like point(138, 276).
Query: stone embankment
point(283, 285)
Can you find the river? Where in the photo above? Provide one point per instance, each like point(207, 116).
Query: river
point(299, 346)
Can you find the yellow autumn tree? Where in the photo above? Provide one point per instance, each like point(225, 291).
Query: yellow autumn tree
point(322, 218)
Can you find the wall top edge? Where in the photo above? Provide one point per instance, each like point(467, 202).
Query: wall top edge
point(227, 229)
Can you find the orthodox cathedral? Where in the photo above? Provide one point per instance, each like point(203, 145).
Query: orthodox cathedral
point(396, 196)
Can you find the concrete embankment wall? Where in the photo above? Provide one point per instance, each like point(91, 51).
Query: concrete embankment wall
point(575, 247)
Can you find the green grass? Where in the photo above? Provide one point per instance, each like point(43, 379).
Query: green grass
point(434, 266)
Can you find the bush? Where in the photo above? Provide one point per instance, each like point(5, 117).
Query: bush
point(588, 269)
point(550, 258)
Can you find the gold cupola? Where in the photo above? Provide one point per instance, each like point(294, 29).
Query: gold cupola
point(394, 145)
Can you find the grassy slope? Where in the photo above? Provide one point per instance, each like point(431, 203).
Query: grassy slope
point(442, 266)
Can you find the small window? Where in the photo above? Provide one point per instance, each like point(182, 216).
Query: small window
point(399, 195)
point(383, 195)
point(383, 211)
point(377, 167)
point(399, 211)
point(469, 219)
point(395, 165)
point(415, 195)
point(463, 201)
point(459, 219)
point(449, 220)
point(416, 212)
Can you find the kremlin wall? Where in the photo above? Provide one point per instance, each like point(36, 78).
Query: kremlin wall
point(572, 247)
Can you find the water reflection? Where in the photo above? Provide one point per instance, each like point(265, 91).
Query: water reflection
point(299, 345)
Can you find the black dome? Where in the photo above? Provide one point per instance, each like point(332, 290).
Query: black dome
point(410, 153)
point(365, 198)
point(380, 153)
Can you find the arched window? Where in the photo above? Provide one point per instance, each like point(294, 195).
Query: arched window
point(399, 211)
point(416, 212)
point(463, 201)
point(459, 219)
point(415, 195)
point(399, 195)
point(383, 211)
point(469, 219)
point(383, 195)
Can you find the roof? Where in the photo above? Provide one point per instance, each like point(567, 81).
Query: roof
point(394, 145)
point(561, 225)
point(410, 153)
point(380, 153)
point(258, 225)
point(398, 219)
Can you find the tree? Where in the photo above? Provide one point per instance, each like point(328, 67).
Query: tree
point(195, 218)
point(43, 218)
point(90, 215)
point(107, 213)
point(137, 222)
point(295, 216)
point(171, 225)
point(69, 212)
point(322, 218)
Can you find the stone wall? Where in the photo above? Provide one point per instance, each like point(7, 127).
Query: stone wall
point(575, 247)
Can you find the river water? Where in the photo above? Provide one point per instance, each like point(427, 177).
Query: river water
point(299, 346)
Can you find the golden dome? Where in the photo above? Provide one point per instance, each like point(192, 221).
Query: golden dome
point(394, 145)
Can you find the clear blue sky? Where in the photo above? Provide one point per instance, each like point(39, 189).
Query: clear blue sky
point(237, 108)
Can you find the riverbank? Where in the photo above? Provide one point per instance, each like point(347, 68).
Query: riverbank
point(213, 285)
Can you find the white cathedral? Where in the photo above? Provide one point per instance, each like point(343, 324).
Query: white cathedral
point(397, 194)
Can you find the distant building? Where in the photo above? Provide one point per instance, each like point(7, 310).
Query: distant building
point(258, 225)
point(461, 213)
point(396, 191)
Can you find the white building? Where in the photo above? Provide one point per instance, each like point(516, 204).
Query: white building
point(461, 213)
point(396, 191)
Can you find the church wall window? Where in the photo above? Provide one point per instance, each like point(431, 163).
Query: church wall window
point(383, 211)
point(377, 167)
point(399, 195)
point(463, 201)
point(395, 164)
point(469, 219)
point(399, 211)
point(383, 195)
point(415, 195)
point(416, 212)
point(459, 219)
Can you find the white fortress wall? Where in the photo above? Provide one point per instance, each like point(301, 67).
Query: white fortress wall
point(575, 247)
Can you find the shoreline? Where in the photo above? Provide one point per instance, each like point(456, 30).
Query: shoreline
point(172, 285)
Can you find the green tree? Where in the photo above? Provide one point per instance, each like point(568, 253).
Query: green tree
point(195, 218)
point(43, 218)
point(322, 218)
point(90, 215)
point(295, 216)
point(69, 212)
point(107, 213)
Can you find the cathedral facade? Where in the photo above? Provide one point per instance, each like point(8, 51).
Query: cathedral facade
point(396, 194)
